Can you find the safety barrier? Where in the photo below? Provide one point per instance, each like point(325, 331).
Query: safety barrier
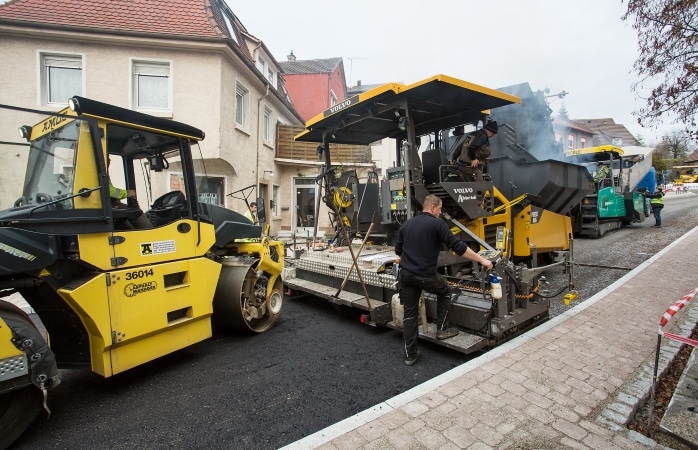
point(666, 317)
point(673, 309)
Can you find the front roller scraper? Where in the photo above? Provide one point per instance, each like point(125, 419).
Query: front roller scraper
point(27, 369)
point(246, 299)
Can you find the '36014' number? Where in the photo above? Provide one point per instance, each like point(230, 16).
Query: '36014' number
point(136, 274)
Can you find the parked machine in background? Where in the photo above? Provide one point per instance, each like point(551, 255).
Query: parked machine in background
point(617, 199)
point(686, 178)
point(522, 234)
point(111, 297)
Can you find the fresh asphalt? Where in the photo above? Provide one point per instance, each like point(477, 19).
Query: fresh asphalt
point(316, 367)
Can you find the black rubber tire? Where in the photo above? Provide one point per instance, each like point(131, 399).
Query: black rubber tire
point(18, 410)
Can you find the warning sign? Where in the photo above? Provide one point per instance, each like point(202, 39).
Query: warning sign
point(158, 247)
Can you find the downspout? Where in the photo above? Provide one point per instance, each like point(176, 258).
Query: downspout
point(259, 137)
point(254, 51)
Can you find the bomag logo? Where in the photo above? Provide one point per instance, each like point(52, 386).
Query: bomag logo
point(52, 123)
point(133, 289)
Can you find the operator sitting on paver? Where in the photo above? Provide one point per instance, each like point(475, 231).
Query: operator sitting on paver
point(601, 173)
point(478, 149)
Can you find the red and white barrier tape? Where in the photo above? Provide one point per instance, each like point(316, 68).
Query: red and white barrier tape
point(670, 312)
point(684, 340)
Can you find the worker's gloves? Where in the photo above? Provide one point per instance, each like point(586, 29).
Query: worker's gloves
point(132, 202)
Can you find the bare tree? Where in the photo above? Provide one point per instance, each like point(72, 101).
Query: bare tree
point(675, 145)
point(668, 45)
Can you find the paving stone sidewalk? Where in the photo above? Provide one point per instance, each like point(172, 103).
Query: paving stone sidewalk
point(573, 382)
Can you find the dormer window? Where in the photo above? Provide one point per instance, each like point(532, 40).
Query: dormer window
point(266, 69)
point(261, 64)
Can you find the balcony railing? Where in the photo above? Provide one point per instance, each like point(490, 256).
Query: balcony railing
point(287, 148)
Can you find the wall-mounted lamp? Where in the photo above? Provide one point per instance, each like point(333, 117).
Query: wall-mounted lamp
point(270, 172)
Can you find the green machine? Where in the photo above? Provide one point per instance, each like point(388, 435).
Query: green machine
point(614, 202)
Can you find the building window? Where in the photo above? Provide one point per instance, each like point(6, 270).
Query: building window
point(275, 200)
point(266, 126)
point(266, 69)
point(61, 78)
point(617, 141)
point(242, 100)
point(261, 64)
point(211, 190)
point(583, 142)
point(570, 141)
point(152, 85)
point(333, 98)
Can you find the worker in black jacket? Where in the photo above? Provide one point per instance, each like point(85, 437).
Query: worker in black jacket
point(418, 245)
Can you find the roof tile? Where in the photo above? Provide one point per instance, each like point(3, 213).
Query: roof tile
point(176, 17)
point(310, 66)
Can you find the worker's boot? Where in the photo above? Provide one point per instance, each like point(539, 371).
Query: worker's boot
point(447, 333)
point(410, 360)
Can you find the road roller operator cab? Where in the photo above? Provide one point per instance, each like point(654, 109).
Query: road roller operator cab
point(117, 283)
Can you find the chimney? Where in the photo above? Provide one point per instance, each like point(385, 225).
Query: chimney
point(291, 57)
point(358, 83)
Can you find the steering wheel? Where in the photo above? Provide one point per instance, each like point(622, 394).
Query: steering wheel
point(167, 208)
point(169, 201)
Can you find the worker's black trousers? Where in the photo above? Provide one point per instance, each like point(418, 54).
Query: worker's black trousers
point(657, 211)
point(411, 287)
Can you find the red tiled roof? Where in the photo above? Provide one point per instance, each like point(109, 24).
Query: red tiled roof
point(177, 17)
point(693, 157)
point(606, 129)
point(205, 19)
